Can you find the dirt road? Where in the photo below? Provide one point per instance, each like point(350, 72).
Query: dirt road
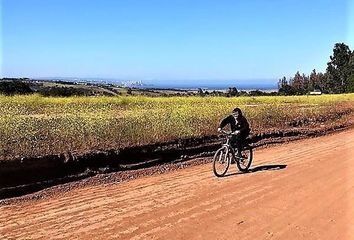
point(300, 190)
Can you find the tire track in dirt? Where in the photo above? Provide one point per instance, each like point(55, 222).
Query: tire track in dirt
point(228, 204)
point(309, 199)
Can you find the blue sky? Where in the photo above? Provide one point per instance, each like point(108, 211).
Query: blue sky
point(171, 41)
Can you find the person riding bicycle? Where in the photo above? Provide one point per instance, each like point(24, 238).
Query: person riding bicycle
point(239, 127)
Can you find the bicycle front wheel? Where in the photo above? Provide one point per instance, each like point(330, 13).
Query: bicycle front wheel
point(221, 161)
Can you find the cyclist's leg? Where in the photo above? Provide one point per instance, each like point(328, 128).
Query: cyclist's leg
point(241, 142)
point(238, 144)
point(233, 141)
point(238, 141)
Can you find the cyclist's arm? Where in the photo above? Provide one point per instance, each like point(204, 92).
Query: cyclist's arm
point(225, 121)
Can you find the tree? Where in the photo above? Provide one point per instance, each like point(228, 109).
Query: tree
point(305, 86)
point(232, 92)
point(338, 67)
point(129, 91)
point(200, 92)
point(351, 64)
point(313, 81)
point(284, 87)
point(350, 84)
point(350, 80)
point(282, 83)
point(298, 83)
point(318, 81)
point(286, 90)
point(257, 93)
point(14, 87)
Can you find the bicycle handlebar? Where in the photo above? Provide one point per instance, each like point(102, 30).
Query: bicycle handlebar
point(227, 133)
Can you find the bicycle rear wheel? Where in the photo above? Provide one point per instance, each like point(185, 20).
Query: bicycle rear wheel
point(244, 162)
point(221, 161)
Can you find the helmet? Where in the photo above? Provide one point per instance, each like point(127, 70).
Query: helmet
point(238, 110)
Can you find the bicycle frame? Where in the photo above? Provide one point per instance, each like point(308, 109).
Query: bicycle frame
point(229, 147)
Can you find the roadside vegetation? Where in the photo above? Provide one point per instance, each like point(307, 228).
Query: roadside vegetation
point(338, 78)
point(33, 125)
point(51, 117)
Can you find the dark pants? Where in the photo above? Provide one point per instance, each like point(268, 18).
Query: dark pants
point(238, 141)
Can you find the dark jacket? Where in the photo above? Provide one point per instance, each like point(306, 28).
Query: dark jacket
point(240, 124)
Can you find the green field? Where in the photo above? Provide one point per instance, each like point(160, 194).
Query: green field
point(33, 125)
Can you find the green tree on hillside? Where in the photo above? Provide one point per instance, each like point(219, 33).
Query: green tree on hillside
point(14, 87)
point(314, 81)
point(338, 67)
point(350, 84)
point(338, 78)
point(284, 87)
point(298, 83)
point(282, 82)
point(232, 92)
point(305, 84)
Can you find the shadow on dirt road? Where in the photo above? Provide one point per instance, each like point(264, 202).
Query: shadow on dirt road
point(270, 167)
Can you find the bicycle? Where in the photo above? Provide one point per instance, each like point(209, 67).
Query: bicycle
point(223, 156)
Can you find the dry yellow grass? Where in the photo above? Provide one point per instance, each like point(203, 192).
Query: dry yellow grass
point(35, 125)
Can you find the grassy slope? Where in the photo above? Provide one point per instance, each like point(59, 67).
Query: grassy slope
point(35, 125)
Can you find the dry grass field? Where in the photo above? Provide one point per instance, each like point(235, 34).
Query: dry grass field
point(34, 125)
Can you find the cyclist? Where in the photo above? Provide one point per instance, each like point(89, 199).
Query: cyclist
point(239, 126)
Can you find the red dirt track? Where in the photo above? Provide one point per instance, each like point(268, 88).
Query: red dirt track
point(299, 190)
